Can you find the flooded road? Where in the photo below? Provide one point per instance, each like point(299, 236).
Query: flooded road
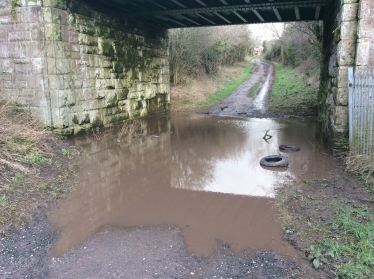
point(199, 173)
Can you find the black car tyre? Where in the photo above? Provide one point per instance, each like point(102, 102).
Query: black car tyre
point(274, 161)
point(288, 148)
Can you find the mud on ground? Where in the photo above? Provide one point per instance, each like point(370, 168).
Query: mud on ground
point(307, 208)
point(239, 104)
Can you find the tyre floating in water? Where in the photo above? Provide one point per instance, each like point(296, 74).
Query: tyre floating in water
point(274, 161)
point(288, 148)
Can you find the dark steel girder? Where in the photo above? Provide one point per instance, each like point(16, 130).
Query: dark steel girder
point(231, 8)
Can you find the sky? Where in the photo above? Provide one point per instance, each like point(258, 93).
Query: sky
point(262, 31)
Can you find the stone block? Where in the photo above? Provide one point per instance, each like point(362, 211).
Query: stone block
point(366, 9)
point(52, 32)
point(348, 30)
point(3, 36)
point(19, 36)
point(366, 27)
point(340, 96)
point(348, 12)
point(67, 98)
point(4, 3)
point(36, 82)
point(24, 3)
point(363, 52)
point(346, 52)
point(7, 19)
point(29, 14)
point(55, 82)
point(341, 119)
point(55, 3)
point(62, 66)
point(5, 11)
point(6, 66)
point(341, 76)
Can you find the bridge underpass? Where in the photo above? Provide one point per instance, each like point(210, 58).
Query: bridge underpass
point(80, 64)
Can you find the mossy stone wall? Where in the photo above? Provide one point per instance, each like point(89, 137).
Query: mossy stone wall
point(348, 42)
point(339, 53)
point(93, 68)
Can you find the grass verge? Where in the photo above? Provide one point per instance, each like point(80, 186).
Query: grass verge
point(193, 96)
point(228, 87)
point(254, 88)
point(291, 94)
point(34, 165)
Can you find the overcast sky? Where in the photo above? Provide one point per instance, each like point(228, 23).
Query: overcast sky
point(263, 32)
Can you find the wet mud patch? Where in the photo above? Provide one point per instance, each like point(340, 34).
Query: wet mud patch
point(159, 252)
point(310, 211)
point(25, 253)
point(239, 104)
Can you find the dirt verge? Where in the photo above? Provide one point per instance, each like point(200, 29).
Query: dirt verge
point(311, 213)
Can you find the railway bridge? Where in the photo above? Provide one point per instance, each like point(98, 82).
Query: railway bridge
point(78, 64)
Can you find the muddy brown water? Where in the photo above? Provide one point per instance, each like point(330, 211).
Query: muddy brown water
point(200, 173)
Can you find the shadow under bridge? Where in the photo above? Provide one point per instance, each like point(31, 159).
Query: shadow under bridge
point(194, 13)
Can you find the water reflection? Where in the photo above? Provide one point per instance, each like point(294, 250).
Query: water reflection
point(199, 173)
point(214, 154)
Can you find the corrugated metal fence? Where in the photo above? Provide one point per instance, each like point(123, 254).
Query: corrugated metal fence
point(361, 111)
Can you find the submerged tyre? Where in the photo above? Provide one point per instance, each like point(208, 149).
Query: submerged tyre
point(274, 161)
point(288, 148)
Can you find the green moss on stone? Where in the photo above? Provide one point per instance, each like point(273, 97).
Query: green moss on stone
point(107, 49)
point(80, 9)
point(75, 119)
point(86, 118)
point(122, 94)
point(97, 122)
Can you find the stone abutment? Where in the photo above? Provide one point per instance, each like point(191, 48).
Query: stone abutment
point(75, 68)
point(348, 42)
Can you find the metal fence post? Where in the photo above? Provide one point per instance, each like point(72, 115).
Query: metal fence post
point(350, 105)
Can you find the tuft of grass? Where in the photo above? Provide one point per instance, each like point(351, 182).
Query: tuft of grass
point(348, 241)
point(291, 94)
point(36, 158)
point(65, 152)
point(228, 87)
point(254, 88)
point(19, 178)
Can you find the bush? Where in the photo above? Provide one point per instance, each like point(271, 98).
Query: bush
point(203, 50)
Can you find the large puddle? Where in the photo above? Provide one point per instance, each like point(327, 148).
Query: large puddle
point(199, 173)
